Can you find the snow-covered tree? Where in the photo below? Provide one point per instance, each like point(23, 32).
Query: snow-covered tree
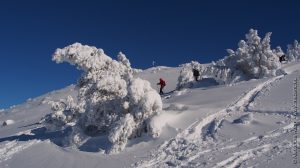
point(110, 100)
point(254, 57)
point(278, 51)
point(293, 51)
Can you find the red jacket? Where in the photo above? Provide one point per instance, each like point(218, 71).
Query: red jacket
point(162, 83)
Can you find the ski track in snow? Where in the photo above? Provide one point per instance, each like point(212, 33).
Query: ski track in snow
point(239, 157)
point(265, 144)
point(195, 140)
point(7, 150)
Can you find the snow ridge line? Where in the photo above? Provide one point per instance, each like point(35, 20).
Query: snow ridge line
point(194, 133)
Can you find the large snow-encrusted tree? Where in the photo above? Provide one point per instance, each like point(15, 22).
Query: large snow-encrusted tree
point(293, 51)
point(254, 57)
point(109, 101)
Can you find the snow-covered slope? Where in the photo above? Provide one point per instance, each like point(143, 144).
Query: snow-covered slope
point(248, 124)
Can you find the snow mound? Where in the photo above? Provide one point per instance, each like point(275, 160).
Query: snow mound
point(158, 122)
point(244, 119)
point(180, 92)
point(157, 69)
point(8, 122)
point(176, 107)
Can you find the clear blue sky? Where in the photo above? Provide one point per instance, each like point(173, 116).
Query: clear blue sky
point(171, 32)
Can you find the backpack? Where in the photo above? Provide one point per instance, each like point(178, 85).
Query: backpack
point(163, 83)
point(196, 72)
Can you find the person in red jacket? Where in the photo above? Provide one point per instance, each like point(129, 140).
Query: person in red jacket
point(162, 84)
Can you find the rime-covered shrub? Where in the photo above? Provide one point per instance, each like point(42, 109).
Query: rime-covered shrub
point(293, 51)
point(110, 100)
point(186, 78)
point(65, 112)
point(253, 58)
point(221, 74)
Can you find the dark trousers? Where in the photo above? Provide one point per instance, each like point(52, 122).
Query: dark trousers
point(160, 90)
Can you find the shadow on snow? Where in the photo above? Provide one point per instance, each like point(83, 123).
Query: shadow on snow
point(59, 138)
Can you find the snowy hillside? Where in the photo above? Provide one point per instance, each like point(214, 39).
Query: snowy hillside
point(248, 124)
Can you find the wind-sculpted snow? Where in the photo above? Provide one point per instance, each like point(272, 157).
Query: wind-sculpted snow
point(245, 119)
point(191, 142)
point(7, 150)
point(8, 122)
